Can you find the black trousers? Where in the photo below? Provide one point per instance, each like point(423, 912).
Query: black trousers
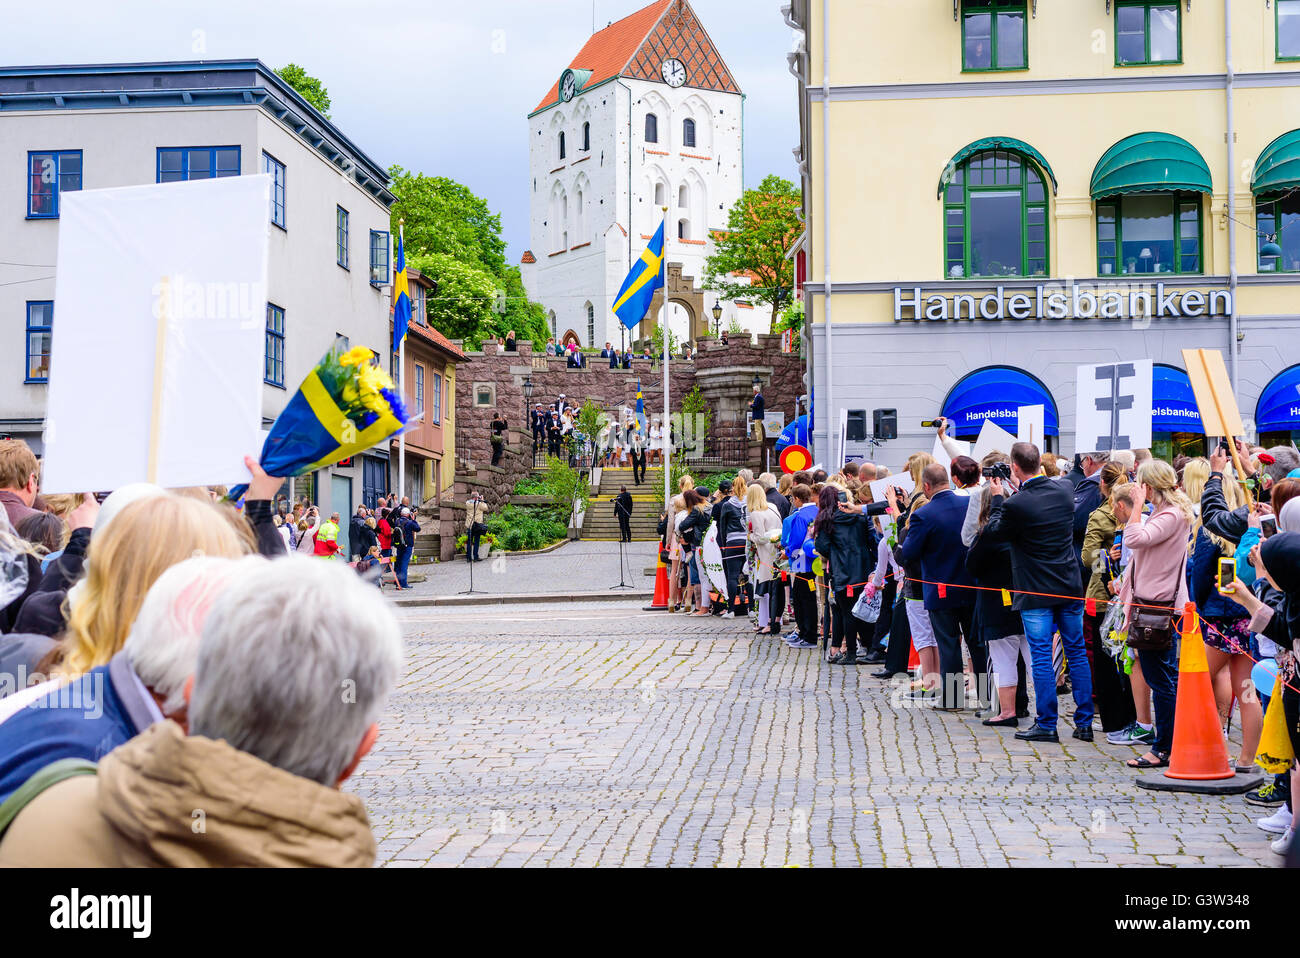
point(805, 608)
point(775, 602)
point(497, 449)
point(846, 628)
point(738, 598)
point(638, 467)
point(625, 527)
point(885, 623)
point(471, 544)
point(1110, 689)
point(951, 626)
point(900, 637)
point(539, 439)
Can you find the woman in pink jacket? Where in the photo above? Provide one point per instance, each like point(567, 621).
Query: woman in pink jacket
point(1157, 574)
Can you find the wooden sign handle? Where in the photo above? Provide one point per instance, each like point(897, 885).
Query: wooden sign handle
point(159, 355)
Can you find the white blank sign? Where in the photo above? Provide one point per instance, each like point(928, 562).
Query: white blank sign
point(1113, 407)
point(176, 270)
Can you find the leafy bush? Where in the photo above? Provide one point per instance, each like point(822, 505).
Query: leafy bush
point(532, 486)
point(526, 528)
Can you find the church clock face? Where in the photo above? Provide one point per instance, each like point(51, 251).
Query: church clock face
point(568, 86)
point(674, 72)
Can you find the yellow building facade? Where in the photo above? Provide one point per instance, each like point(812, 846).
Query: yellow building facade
point(999, 191)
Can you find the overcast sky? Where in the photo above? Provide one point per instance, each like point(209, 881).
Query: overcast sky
point(420, 83)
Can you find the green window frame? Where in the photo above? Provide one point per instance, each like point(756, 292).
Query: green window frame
point(1147, 6)
point(997, 12)
point(1188, 239)
point(1292, 8)
point(1267, 214)
point(996, 171)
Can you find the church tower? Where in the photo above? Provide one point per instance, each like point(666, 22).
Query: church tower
point(647, 115)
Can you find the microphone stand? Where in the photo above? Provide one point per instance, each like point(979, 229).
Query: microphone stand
point(622, 584)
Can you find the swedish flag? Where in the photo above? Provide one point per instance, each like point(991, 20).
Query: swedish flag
point(647, 276)
point(640, 406)
point(401, 299)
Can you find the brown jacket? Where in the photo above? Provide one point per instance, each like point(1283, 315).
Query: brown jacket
point(165, 799)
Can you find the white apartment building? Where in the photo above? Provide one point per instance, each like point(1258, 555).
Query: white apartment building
point(67, 128)
point(647, 115)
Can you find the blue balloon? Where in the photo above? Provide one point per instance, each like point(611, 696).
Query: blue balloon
point(1263, 675)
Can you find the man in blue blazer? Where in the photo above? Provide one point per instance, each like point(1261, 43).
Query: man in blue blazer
point(933, 540)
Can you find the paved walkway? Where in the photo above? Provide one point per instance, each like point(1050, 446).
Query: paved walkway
point(602, 735)
point(574, 567)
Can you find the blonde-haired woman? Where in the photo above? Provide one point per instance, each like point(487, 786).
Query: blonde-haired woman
point(763, 519)
point(143, 541)
point(307, 527)
point(1227, 637)
point(1157, 576)
point(675, 519)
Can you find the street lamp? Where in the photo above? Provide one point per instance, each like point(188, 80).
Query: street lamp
point(717, 318)
point(757, 382)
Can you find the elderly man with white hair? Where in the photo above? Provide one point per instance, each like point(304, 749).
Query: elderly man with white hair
point(283, 705)
point(140, 686)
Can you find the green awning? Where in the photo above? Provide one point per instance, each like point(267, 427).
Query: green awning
point(995, 143)
point(1278, 167)
point(1150, 162)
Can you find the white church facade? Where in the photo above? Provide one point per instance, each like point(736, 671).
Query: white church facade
point(647, 115)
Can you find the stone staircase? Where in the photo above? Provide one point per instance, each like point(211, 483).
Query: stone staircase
point(600, 522)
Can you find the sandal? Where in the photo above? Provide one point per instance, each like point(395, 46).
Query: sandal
point(1162, 761)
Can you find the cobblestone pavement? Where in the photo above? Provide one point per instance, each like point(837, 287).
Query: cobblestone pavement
point(580, 735)
point(574, 567)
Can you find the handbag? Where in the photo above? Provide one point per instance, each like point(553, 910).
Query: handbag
point(1151, 626)
point(868, 609)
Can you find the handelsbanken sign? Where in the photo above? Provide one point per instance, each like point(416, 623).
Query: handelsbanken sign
point(1064, 301)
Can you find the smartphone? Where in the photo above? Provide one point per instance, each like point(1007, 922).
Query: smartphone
point(1227, 575)
point(843, 496)
point(1267, 525)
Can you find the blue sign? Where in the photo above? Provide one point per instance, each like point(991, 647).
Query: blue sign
point(996, 393)
point(1173, 404)
point(795, 434)
point(1279, 404)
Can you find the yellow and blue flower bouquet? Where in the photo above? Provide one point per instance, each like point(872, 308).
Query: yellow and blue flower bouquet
point(345, 405)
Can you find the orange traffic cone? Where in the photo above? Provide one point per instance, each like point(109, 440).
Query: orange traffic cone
point(1199, 759)
point(660, 601)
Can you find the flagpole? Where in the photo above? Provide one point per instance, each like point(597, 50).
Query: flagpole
point(401, 367)
point(668, 429)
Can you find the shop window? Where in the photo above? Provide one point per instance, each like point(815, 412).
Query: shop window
point(1147, 32)
point(995, 217)
point(994, 35)
point(1288, 29)
point(1277, 217)
point(1144, 233)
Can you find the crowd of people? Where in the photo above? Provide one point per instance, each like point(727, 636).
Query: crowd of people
point(1023, 570)
point(167, 651)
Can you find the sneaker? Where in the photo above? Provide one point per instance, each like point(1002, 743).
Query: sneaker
point(728, 615)
point(800, 644)
point(1283, 844)
point(1278, 822)
point(1268, 795)
point(1135, 734)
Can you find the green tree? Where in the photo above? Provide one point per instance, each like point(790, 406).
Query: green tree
point(761, 229)
point(452, 236)
point(307, 86)
point(792, 319)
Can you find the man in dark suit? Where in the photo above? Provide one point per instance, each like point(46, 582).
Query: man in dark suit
point(613, 358)
point(932, 540)
point(1038, 522)
point(537, 420)
point(604, 353)
point(623, 509)
point(756, 413)
point(1087, 497)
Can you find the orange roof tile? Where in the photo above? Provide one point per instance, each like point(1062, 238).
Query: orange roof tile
point(609, 51)
point(528, 257)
